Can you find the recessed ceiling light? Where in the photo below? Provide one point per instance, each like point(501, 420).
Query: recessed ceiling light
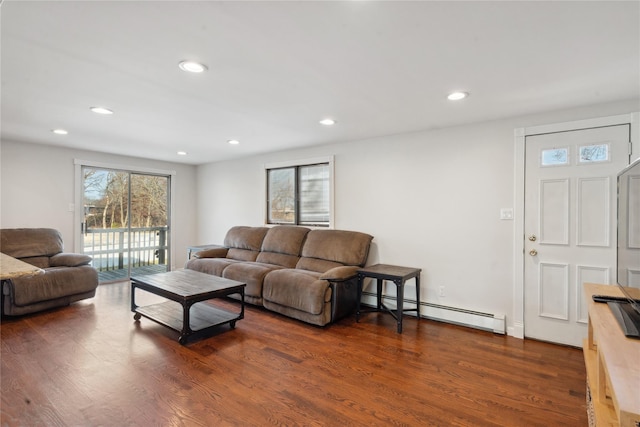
point(327, 122)
point(182, 153)
point(60, 131)
point(233, 142)
point(101, 110)
point(457, 96)
point(192, 67)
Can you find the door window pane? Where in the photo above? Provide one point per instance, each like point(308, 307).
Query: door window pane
point(555, 157)
point(594, 153)
point(148, 235)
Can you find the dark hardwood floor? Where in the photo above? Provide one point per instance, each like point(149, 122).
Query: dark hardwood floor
point(90, 364)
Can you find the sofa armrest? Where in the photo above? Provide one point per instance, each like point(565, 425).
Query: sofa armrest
point(344, 297)
point(339, 274)
point(212, 253)
point(69, 260)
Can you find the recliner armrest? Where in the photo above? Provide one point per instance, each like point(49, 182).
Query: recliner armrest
point(212, 253)
point(69, 260)
point(339, 274)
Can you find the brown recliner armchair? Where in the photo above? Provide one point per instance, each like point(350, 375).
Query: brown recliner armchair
point(67, 277)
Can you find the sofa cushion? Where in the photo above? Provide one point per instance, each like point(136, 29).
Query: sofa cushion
point(213, 266)
point(30, 242)
point(38, 261)
point(251, 273)
point(243, 237)
point(285, 239)
point(242, 254)
point(297, 289)
point(56, 282)
point(319, 265)
point(345, 247)
point(282, 245)
point(284, 260)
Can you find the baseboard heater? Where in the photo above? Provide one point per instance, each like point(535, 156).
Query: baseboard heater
point(495, 323)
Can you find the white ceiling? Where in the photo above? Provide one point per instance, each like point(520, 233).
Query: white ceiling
point(277, 68)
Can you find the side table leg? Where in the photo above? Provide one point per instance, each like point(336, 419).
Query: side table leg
point(418, 296)
point(379, 293)
point(400, 299)
point(2, 297)
point(360, 280)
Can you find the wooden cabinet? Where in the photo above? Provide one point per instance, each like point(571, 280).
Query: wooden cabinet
point(613, 365)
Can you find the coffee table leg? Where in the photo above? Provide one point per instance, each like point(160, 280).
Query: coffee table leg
point(241, 304)
point(136, 316)
point(186, 323)
point(241, 315)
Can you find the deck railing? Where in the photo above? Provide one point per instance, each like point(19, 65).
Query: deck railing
point(117, 248)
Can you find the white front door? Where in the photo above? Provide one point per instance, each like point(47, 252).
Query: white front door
point(569, 226)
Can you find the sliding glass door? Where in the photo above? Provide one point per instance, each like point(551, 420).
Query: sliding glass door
point(126, 222)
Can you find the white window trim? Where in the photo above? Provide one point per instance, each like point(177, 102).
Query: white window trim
point(303, 162)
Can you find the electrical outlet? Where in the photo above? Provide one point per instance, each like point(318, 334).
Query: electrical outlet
point(441, 291)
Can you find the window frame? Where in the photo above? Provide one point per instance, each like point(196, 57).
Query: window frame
point(296, 164)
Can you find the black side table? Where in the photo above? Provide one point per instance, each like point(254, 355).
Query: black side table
point(397, 275)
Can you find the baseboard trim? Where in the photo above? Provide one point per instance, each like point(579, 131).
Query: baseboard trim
point(494, 322)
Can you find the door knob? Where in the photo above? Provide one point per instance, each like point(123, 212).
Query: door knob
point(533, 252)
point(533, 237)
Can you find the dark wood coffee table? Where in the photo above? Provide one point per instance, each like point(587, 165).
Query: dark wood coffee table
point(188, 288)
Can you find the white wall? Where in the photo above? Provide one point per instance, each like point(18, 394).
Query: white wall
point(431, 200)
point(37, 186)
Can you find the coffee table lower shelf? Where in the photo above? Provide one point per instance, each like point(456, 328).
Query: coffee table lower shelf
point(203, 318)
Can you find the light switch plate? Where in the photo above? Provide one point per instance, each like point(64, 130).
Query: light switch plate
point(506, 213)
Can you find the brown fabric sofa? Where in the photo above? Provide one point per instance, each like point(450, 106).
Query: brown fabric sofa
point(67, 277)
point(309, 275)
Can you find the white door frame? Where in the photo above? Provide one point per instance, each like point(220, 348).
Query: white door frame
point(520, 135)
